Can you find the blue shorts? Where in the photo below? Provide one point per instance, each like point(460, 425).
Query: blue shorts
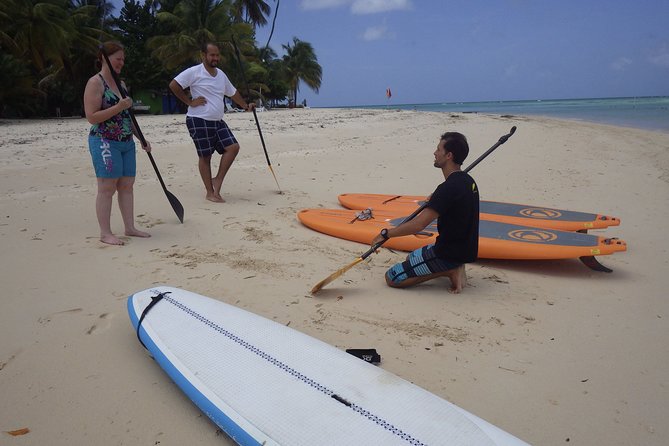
point(421, 262)
point(112, 159)
point(209, 136)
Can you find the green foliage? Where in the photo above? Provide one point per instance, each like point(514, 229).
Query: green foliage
point(21, 98)
point(136, 24)
point(301, 64)
point(48, 49)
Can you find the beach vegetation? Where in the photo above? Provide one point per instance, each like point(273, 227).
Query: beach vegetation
point(301, 64)
point(48, 50)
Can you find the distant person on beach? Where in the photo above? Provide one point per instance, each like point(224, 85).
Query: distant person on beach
point(111, 144)
point(204, 119)
point(455, 206)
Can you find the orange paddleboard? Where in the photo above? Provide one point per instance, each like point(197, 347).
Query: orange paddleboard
point(520, 214)
point(497, 240)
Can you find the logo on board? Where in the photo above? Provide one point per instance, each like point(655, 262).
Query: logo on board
point(533, 235)
point(540, 213)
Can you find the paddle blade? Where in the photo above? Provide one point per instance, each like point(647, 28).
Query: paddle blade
point(176, 205)
point(334, 276)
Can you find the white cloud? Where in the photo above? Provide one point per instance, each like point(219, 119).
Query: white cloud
point(511, 70)
point(660, 56)
point(375, 33)
point(621, 63)
point(375, 6)
point(358, 6)
point(322, 4)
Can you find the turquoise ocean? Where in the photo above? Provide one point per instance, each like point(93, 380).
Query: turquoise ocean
point(649, 113)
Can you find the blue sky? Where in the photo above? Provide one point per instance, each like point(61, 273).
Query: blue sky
point(460, 50)
point(476, 50)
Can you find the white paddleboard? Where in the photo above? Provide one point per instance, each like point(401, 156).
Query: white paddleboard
point(266, 384)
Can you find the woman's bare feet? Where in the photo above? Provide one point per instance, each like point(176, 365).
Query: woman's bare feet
point(111, 239)
point(134, 232)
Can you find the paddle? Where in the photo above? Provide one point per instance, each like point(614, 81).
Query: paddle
point(373, 249)
point(248, 95)
point(176, 205)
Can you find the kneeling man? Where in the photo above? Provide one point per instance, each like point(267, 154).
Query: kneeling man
point(455, 206)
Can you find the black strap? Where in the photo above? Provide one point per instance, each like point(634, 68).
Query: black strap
point(366, 354)
point(154, 300)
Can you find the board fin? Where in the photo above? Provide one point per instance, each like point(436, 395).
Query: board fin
point(592, 263)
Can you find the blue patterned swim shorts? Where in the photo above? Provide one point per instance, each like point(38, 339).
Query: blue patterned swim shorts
point(112, 159)
point(421, 262)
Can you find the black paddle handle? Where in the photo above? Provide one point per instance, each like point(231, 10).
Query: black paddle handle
point(501, 141)
point(248, 95)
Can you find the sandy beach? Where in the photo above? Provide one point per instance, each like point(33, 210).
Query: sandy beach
point(550, 351)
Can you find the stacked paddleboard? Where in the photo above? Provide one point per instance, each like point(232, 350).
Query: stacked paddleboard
point(518, 214)
point(506, 231)
point(264, 383)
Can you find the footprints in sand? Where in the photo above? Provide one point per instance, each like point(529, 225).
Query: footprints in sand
point(102, 324)
point(102, 321)
point(240, 259)
point(257, 235)
point(148, 222)
point(411, 331)
point(48, 318)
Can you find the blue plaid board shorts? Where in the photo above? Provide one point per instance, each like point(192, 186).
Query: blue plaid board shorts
point(209, 136)
point(421, 262)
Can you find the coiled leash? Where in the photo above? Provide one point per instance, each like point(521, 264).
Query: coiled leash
point(154, 300)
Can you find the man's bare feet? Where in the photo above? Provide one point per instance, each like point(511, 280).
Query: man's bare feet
point(215, 198)
point(216, 184)
point(137, 233)
point(458, 280)
point(111, 239)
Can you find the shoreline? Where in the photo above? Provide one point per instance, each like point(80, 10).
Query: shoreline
point(548, 351)
point(630, 112)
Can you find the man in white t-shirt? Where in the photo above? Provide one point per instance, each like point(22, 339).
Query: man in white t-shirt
point(204, 119)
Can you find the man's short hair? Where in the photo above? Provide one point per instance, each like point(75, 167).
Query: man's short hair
point(205, 46)
point(456, 143)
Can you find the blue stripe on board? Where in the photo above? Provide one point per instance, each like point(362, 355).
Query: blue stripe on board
point(214, 413)
point(212, 410)
point(521, 234)
point(534, 212)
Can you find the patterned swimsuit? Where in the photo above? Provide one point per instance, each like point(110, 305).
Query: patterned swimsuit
point(116, 128)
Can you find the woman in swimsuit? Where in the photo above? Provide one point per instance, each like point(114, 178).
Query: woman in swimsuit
point(111, 144)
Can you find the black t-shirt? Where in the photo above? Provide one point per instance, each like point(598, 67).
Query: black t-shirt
point(456, 200)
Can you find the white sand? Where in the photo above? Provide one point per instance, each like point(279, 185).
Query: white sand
point(550, 351)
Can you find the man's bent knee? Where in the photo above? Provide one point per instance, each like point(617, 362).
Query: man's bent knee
point(232, 149)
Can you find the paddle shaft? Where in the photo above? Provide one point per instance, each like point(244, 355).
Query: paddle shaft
point(255, 116)
point(176, 205)
point(413, 215)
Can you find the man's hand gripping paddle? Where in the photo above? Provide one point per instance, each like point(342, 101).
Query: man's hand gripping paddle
point(176, 205)
point(373, 249)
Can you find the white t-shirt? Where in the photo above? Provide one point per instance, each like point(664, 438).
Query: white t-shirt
point(212, 88)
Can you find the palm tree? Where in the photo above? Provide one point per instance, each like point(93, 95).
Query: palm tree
point(38, 29)
point(301, 64)
point(254, 12)
point(194, 22)
point(21, 96)
point(53, 38)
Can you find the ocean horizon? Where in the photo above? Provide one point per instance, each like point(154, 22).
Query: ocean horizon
point(648, 112)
